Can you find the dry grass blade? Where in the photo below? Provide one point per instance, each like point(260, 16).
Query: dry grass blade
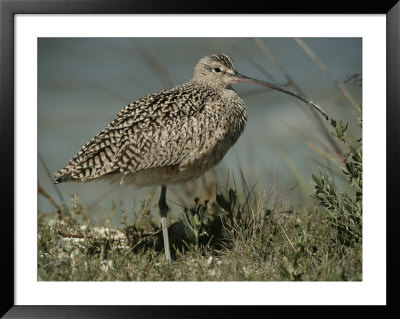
point(158, 67)
point(102, 196)
point(330, 169)
point(111, 92)
point(324, 69)
point(43, 192)
point(325, 131)
point(256, 65)
point(49, 175)
point(312, 145)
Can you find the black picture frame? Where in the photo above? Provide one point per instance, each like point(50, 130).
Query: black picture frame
point(8, 10)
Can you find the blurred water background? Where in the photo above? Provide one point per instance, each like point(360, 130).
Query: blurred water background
point(84, 82)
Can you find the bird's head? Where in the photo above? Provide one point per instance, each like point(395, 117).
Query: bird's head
point(217, 70)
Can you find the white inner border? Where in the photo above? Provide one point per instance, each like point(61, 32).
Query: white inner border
point(372, 290)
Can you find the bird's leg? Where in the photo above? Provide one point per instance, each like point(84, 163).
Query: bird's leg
point(162, 205)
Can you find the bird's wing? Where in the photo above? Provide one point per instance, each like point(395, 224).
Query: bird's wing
point(146, 133)
point(166, 134)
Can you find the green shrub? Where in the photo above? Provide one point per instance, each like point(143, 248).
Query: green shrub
point(344, 208)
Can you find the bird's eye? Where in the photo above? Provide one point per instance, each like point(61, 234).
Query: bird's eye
point(217, 70)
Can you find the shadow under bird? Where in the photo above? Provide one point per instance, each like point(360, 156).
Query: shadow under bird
point(172, 136)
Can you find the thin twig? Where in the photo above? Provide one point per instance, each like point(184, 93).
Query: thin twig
point(46, 169)
point(324, 69)
point(339, 174)
point(257, 66)
point(43, 192)
point(325, 131)
point(101, 197)
point(142, 240)
point(157, 66)
point(290, 242)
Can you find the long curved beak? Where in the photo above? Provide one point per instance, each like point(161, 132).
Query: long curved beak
point(242, 78)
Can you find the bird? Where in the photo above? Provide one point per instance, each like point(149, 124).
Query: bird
point(172, 136)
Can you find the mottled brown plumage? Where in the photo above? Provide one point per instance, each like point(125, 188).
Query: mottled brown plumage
point(167, 137)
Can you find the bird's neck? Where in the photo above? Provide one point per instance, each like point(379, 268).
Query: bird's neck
point(216, 87)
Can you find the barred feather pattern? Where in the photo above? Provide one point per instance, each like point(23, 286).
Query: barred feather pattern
point(164, 138)
point(185, 128)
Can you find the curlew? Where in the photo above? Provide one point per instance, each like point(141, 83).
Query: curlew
point(172, 136)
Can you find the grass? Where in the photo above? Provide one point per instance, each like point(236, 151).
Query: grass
point(243, 239)
point(249, 242)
